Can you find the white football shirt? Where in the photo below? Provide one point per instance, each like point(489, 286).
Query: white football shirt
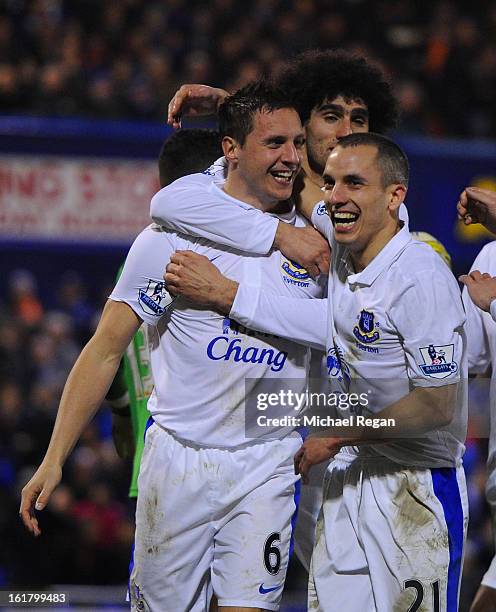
point(205, 364)
point(394, 326)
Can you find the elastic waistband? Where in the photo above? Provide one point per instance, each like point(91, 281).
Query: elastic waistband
point(229, 449)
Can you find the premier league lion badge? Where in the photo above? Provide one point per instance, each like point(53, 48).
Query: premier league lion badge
point(438, 360)
point(155, 299)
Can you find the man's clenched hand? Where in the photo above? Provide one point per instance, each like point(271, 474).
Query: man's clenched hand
point(305, 246)
point(194, 100)
point(481, 288)
point(477, 205)
point(195, 277)
point(315, 450)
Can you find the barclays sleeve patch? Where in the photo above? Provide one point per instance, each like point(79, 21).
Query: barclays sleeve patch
point(438, 360)
point(155, 299)
point(322, 210)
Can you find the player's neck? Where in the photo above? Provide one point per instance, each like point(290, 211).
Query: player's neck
point(312, 176)
point(361, 259)
point(238, 189)
point(307, 190)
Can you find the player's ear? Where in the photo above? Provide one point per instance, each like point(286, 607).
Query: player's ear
point(230, 148)
point(397, 194)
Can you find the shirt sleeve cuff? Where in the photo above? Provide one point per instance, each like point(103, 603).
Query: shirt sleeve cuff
point(489, 578)
point(492, 310)
point(245, 304)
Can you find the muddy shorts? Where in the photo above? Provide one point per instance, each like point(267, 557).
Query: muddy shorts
point(389, 538)
point(212, 521)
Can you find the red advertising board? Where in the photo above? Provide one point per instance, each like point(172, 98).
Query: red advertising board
point(82, 199)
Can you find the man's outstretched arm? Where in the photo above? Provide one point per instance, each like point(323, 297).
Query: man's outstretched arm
point(85, 389)
point(195, 277)
point(195, 206)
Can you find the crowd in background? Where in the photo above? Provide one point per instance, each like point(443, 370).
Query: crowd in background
point(101, 58)
point(87, 528)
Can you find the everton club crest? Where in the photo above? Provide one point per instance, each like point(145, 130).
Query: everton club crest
point(366, 330)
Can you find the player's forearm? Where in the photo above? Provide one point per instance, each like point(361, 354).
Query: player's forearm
point(423, 410)
point(301, 320)
point(218, 220)
point(83, 393)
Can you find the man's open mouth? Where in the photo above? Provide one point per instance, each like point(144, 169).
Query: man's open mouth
point(344, 220)
point(285, 177)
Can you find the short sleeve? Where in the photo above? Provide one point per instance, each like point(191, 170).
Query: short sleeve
point(479, 357)
point(321, 221)
point(429, 317)
point(141, 284)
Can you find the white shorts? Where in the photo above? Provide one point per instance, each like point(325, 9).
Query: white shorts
point(389, 538)
point(212, 521)
point(309, 506)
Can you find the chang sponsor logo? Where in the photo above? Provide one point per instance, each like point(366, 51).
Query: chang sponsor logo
point(232, 349)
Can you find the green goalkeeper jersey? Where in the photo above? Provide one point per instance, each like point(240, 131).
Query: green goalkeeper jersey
point(139, 383)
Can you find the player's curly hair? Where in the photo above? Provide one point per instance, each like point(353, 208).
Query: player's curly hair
point(236, 113)
point(315, 76)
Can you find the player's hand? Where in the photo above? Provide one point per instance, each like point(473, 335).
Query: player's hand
point(476, 205)
point(305, 246)
point(195, 277)
point(36, 493)
point(481, 288)
point(314, 450)
point(122, 434)
point(484, 600)
point(194, 100)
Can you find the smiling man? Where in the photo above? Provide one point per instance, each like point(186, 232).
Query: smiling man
point(336, 93)
point(393, 522)
point(214, 504)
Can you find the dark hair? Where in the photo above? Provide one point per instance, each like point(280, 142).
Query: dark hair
point(237, 111)
point(186, 152)
point(391, 159)
point(316, 76)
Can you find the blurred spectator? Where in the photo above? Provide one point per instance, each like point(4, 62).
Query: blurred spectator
point(73, 300)
point(23, 298)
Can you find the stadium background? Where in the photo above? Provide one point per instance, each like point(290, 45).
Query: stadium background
point(84, 87)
